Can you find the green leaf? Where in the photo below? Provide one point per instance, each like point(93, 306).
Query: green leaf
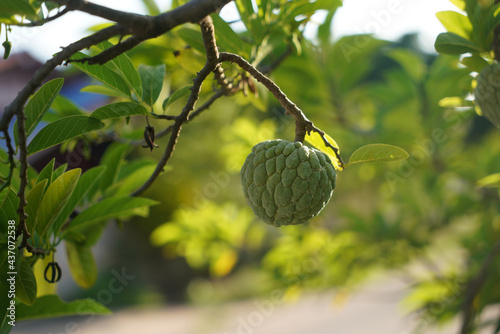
point(307, 8)
point(81, 264)
point(377, 153)
point(179, 93)
point(103, 90)
point(103, 73)
point(474, 63)
point(5, 286)
point(8, 207)
point(119, 109)
point(450, 43)
point(245, 9)
point(46, 173)
point(52, 306)
point(51, 5)
point(61, 130)
point(460, 4)
point(114, 207)
point(410, 61)
point(455, 102)
point(85, 183)
point(490, 181)
point(26, 284)
point(315, 140)
point(112, 159)
point(227, 39)
point(324, 30)
point(125, 68)
point(192, 37)
point(59, 171)
point(39, 104)
point(152, 82)
point(62, 107)
point(132, 181)
point(456, 23)
point(54, 200)
point(492, 19)
point(8, 204)
point(34, 198)
point(190, 60)
point(16, 7)
point(152, 7)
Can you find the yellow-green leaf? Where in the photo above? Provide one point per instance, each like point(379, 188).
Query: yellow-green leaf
point(377, 153)
point(315, 140)
point(34, 198)
point(81, 264)
point(490, 181)
point(456, 23)
point(54, 200)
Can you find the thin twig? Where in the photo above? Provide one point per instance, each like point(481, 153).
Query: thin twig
point(474, 288)
point(167, 117)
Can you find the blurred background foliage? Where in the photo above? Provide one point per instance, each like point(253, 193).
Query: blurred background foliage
point(427, 217)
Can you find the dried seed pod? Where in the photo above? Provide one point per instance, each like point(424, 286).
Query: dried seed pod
point(287, 183)
point(149, 137)
point(52, 272)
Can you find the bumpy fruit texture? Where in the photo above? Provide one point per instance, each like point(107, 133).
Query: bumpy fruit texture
point(488, 93)
point(287, 183)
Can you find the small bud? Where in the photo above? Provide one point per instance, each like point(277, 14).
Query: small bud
point(7, 46)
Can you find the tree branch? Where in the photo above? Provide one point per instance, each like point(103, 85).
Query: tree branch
point(135, 22)
point(49, 66)
point(193, 11)
point(302, 124)
point(474, 288)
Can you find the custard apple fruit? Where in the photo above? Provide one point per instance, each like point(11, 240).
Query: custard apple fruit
point(287, 183)
point(488, 93)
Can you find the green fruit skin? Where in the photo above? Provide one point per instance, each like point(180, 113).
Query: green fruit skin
point(287, 183)
point(487, 93)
